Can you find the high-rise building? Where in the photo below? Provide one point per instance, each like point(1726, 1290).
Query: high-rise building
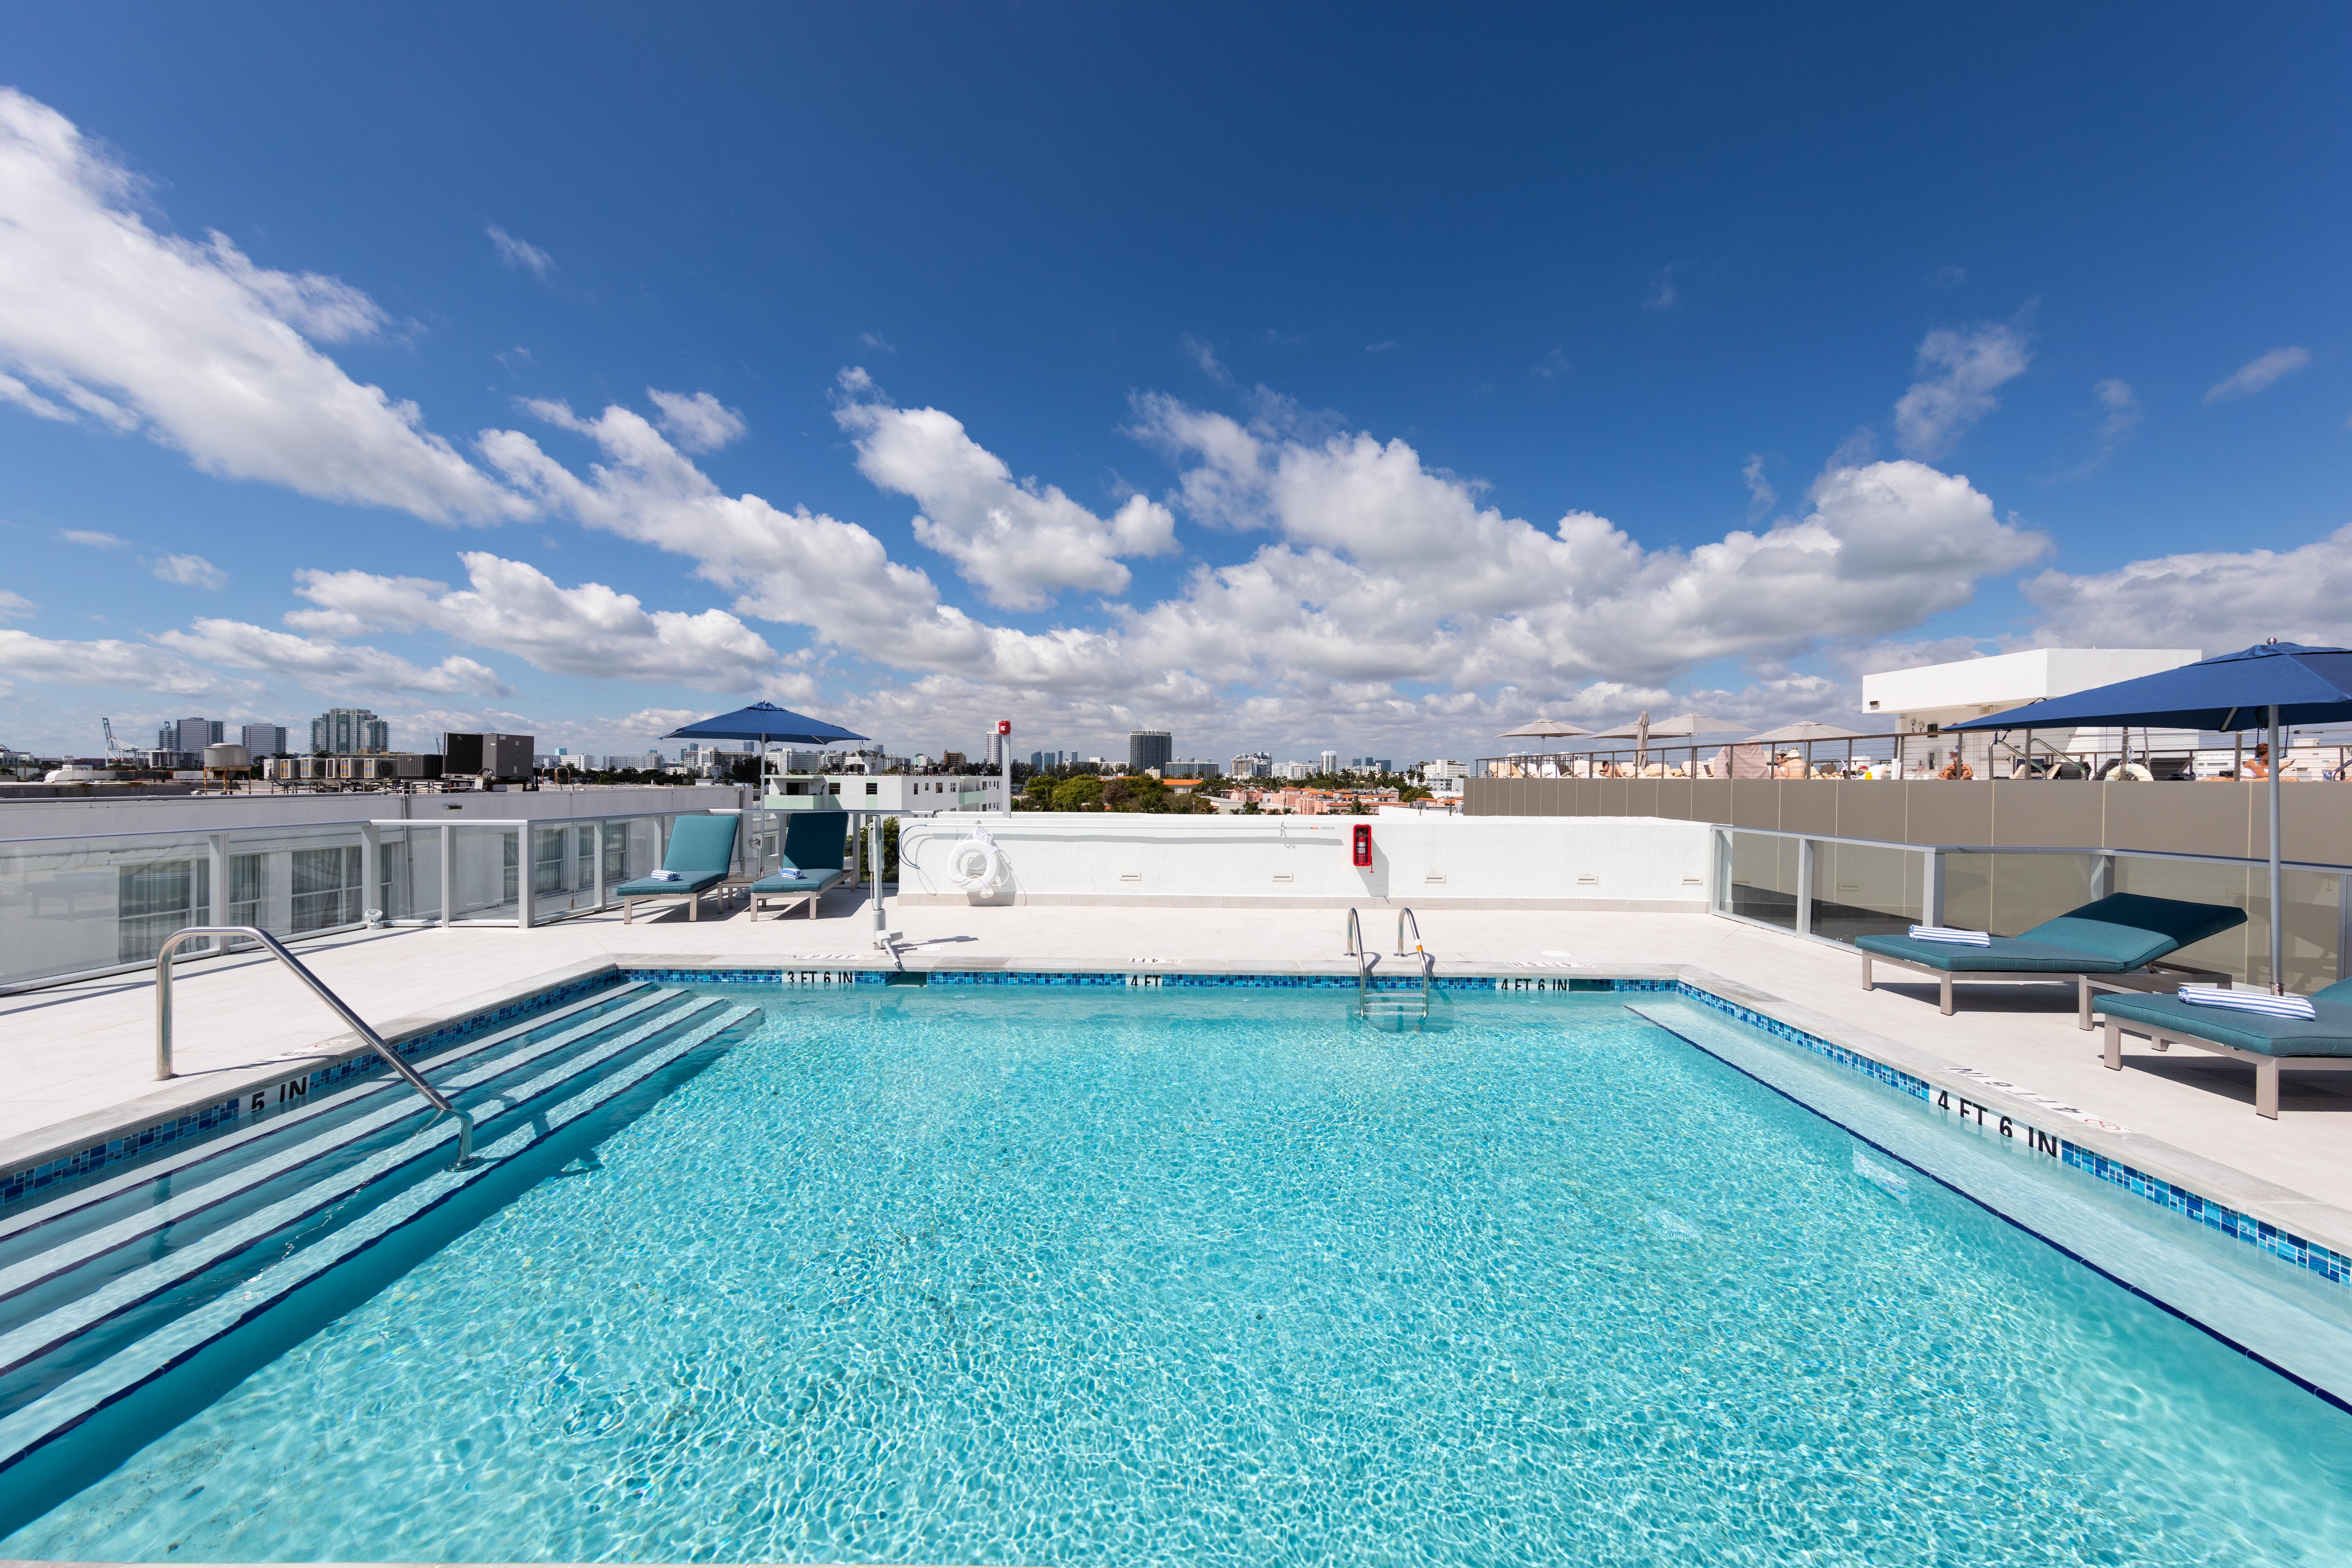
point(340, 731)
point(189, 735)
point(1148, 749)
point(1294, 770)
point(1250, 765)
point(1330, 761)
point(266, 739)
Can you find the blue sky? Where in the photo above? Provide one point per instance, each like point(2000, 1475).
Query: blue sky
point(1354, 377)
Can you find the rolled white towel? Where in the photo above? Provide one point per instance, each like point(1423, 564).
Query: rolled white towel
point(2249, 1001)
point(666, 875)
point(1956, 934)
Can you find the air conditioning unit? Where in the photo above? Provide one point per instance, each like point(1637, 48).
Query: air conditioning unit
point(486, 756)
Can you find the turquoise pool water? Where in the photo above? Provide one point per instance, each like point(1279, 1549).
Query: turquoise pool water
point(962, 1275)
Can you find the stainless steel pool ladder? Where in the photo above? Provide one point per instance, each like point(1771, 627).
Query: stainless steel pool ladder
point(417, 1081)
point(1370, 1004)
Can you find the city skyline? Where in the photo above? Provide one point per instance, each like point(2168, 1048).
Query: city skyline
point(1624, 365)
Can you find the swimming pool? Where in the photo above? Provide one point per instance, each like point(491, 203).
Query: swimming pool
point(946, 1275)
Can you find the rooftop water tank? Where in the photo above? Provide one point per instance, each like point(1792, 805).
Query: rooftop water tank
point(228, 754)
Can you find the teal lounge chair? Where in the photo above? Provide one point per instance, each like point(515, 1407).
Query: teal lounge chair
point(813, 846)
point(701, 849)
point(2111, 944)
point(2323, 1042)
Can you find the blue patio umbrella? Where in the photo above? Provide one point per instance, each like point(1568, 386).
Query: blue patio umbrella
point(763, 721)
point(2263, 687)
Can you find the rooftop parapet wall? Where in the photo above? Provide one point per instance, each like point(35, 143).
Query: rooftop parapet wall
point(1233, 862)
point(2224, 818)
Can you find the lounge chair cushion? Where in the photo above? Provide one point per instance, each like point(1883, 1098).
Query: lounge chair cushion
point(2327, 1034)
point(806, 882)
point(646, 887)
point(2108, 936)
point(815, 841)
point(701, 849)
point(2133, 928)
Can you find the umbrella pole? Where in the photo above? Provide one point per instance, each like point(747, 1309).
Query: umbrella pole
point(2278, 909)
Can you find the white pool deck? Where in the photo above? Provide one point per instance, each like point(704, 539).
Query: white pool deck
point(78, 1059)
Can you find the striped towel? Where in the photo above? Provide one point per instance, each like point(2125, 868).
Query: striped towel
point(1952, 934)
point(2249, 1001)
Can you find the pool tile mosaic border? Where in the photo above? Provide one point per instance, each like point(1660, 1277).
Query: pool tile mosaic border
point(2262, 1236)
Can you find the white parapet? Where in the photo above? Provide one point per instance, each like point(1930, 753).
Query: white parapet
point(1629, 863)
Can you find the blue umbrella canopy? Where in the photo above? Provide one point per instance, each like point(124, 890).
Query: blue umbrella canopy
point(2228, 691)
point(763, 721)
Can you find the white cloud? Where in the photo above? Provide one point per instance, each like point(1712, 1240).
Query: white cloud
point(1959, 370)
point(1662, 294)
point(1760, 493)
point(521, 253)
point(324, 665)
point(1553, 365)
point(878, 343)
point(1019, 541)
point(2216, 600)
point(2257, 373)
point(591, 630)
point(1198, 350)
point(1392, 599)
point(697, 424)
point(14, 606)
point(31, 402)
point(105, 319)
point(132, 666)
point(1390, 569)
point(190, 571)
point(2123, 411)
point(90, 537)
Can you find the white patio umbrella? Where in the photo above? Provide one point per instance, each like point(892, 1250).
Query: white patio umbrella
point(1642, 729)
point(1806, 731)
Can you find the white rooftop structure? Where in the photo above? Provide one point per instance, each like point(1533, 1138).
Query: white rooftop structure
point(1972, 687)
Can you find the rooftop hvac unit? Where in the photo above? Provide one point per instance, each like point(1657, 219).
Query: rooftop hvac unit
point(486, 756)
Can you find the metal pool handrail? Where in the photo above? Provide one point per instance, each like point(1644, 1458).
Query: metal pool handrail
point(1403, 916)
point(417, 1081)
point(1355, 935)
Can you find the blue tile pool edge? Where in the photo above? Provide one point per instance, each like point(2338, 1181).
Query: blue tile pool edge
point(2261, 1235)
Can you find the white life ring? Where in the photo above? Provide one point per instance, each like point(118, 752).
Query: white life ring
point(976, 865)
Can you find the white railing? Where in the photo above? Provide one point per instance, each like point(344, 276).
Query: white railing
point(85, 905)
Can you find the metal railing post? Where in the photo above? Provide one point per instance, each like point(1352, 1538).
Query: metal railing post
point(1804, 887)
point(417, 1081)
point(448, 872)
point(526, 873)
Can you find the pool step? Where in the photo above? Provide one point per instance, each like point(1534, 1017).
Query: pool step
point(107, 1287)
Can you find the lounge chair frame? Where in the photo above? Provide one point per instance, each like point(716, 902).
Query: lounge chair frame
point(2266, 1067)
point(690, 891)
point(2157, 976)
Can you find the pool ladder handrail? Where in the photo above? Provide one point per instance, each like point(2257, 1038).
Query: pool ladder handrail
point(417, 1081)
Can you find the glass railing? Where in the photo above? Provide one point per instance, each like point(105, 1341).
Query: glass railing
point(1838, 889)
point(105, 902)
